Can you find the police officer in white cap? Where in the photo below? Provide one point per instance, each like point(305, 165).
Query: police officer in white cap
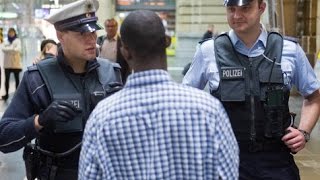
point(252, 71)
point(56, 96)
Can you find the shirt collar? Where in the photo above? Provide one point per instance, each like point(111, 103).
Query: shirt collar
point(262, 37)
point(113, 38)
point(148, 77)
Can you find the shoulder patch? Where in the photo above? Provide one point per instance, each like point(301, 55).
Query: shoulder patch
point(103, 61)
point(204, 40)
point(290, 38)
point(32, 68)
point(116, 65)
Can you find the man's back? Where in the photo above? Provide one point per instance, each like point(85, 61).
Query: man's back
point(157, 129)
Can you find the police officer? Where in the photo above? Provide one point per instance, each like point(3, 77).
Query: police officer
point(252, 71)
point(56, 97)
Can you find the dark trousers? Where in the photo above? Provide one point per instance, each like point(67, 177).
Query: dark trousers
point(57, 169)
point(16, 73)
point(60, 174)
point(268, 166)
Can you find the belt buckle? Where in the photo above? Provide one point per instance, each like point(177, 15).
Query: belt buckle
point(255, 146)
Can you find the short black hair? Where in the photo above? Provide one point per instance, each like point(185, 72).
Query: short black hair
point(143, 32)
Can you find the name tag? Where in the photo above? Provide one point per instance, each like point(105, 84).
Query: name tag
point(232, 73)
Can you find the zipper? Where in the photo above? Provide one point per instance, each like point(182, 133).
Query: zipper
point(86, 98)
point(252, 103)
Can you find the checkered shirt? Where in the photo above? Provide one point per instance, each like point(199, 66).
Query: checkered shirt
point(155, 128)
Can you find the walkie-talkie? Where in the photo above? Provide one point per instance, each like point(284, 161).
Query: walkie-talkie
point(274, 95)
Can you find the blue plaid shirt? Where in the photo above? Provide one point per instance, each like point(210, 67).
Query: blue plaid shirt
point(155, 128)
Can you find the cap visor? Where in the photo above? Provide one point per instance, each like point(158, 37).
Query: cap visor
point(237, 2)
point(89, 27)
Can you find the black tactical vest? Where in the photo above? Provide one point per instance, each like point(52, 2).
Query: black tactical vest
point(81, 93)
point(252, 90)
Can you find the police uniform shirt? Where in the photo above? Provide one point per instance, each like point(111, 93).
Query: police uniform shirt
point(294, 64)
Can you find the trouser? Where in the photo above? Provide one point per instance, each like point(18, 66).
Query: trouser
point(56, 173)
point(16, 73)
point(46, 168)
point(267, 166)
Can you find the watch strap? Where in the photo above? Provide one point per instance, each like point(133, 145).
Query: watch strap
point(305, 134)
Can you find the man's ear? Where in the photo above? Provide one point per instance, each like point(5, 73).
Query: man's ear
point(262, 7)
point(59, 35)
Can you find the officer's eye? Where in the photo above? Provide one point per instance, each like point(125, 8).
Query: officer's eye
point(231, 9)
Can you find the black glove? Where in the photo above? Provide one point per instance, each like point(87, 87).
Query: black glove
point(57, 111)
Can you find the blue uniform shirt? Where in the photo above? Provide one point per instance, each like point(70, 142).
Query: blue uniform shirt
point(294, 64)
point(155, 128)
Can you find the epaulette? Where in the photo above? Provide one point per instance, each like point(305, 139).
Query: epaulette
point(32, 68)
point(290, 38)
point(104, 61)
point(116, 65)
point(204, 40)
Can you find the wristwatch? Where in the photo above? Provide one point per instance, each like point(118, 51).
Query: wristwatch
point(305, 134)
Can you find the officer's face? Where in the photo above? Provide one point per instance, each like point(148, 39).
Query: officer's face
point(79, 45)
point(245, 19)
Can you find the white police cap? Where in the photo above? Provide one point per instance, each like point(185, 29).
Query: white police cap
point(236, 2)
point(77, 16)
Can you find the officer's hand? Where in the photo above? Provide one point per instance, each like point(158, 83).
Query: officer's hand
point(294, 139)
point(57, 111)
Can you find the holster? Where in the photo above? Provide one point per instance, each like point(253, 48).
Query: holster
point(31, 159)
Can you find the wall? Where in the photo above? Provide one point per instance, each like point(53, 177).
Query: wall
point(192, 19)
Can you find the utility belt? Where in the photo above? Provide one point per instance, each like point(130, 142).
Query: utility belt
point(59, 159)
point(262, 146)
point(37, 159)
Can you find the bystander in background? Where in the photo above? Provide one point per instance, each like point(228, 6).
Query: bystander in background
point(12, 59)
point(48, 48)
point(210, 33)
point(109, 46)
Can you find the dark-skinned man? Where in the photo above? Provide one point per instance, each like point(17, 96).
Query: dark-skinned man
point(155, 128)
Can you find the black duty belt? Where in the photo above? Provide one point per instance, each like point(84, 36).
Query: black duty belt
point(59, 159)
point(263, 146)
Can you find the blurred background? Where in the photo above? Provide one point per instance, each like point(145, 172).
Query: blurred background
point(186, 21)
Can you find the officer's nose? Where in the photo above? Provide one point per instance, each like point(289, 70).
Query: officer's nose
point(237, 13)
